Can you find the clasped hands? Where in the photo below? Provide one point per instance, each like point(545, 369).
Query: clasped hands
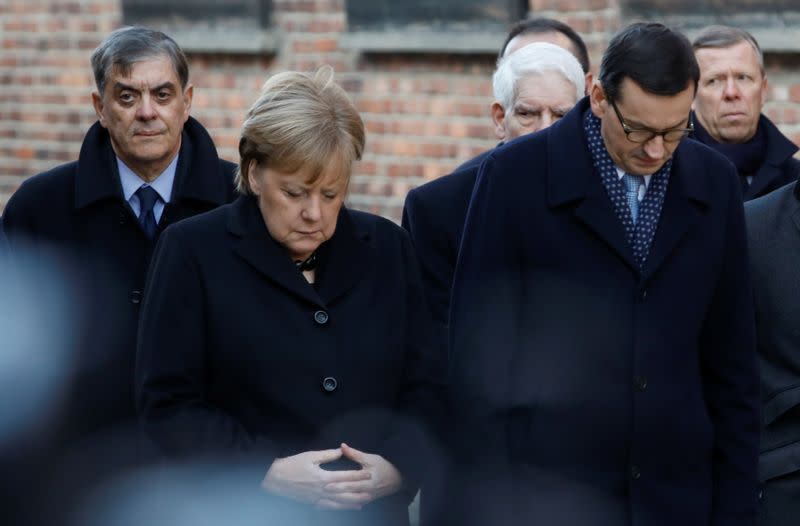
point(301, 478)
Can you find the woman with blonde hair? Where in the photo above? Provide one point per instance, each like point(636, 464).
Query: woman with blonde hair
point(290, 330)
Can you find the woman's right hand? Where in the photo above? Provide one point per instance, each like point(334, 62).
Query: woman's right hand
point(301, 478)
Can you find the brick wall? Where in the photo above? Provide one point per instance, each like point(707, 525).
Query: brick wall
point(425, 112)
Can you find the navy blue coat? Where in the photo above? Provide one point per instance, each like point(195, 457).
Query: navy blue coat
point(583, 391)
point(773, 227)
point(75, 216)
point(779, 168)
point(434, 215)
point(238, 354)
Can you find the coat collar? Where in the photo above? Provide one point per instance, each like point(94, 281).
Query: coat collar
point(197, 176)
point(344, 259)
point(779, 149)
point(572, 180)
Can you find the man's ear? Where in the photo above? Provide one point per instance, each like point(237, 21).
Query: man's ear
point(97, 102)
point(499, 120)
point(188, 93)
point(764, 90)
point(597, 98)
point(589, 80)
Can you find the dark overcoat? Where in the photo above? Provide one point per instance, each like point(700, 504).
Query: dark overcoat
point(76, 217)
point(434, 215)
point(583, 390)
point(773, 227)
point(238, 353)
point(779, 167)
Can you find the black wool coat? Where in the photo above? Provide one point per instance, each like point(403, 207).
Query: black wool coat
point(76, 218)
point(779, 167)
point(238, 354)
point(583, 390)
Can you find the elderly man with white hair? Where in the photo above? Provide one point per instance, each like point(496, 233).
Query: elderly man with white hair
point(534, 86)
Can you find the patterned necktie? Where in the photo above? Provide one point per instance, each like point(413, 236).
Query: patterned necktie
point(632, 184)
point(147, 218)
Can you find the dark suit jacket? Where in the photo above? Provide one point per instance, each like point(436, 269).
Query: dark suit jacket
point(238, 353)
point(773, 226)
point(434, 215)
point(779, 167)
point(583, 391)
point(75, 216)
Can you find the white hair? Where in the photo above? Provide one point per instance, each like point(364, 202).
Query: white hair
point(535, 59)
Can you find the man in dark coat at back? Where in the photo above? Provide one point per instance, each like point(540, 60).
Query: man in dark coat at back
point(525, 102)
point(728, 118)
point(773, 228)
point(143, 165)
point(602, 364)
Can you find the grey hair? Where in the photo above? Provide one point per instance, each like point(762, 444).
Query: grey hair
point(533, 59)
point(718, 36)
point(129, 45)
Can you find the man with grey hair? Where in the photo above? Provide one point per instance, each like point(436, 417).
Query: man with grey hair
point(144, 165)
point(727, 109)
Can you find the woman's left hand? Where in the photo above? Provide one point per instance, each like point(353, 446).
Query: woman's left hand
point(385, 479)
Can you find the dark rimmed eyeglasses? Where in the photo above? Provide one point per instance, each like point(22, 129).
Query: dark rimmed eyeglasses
point(640, 135)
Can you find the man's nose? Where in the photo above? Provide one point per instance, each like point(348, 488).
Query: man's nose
point(654, 148)
point(731, 90)
point(145, 111)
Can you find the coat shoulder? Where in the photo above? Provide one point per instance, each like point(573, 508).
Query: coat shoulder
point(204, 226)
point(376, 225)
point(764, 214)
point(442, 190)
point(46, 191)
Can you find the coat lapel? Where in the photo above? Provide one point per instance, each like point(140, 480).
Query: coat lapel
point(266, 256)
point(572, 178)
point(344, 260)
point(686, 197)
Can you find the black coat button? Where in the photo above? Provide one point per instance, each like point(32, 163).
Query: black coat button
point(640, 382)
point(136, 296)
point(321, 317)
point(330, 384)
point(644, 294)
point(636, 473)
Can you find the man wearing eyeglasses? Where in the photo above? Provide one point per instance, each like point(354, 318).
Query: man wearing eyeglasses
point(602, 366)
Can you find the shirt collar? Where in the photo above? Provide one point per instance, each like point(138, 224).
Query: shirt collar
point(161, 184)
point(621, 172)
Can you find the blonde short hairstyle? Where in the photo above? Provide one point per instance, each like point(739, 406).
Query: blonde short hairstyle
point(301, 121)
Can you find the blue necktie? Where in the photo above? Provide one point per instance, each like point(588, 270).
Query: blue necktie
point(632, 184)
point(147, 218)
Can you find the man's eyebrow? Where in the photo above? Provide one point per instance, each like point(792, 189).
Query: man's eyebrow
point(167, 84)
point(122, 86)
point(638, 125)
